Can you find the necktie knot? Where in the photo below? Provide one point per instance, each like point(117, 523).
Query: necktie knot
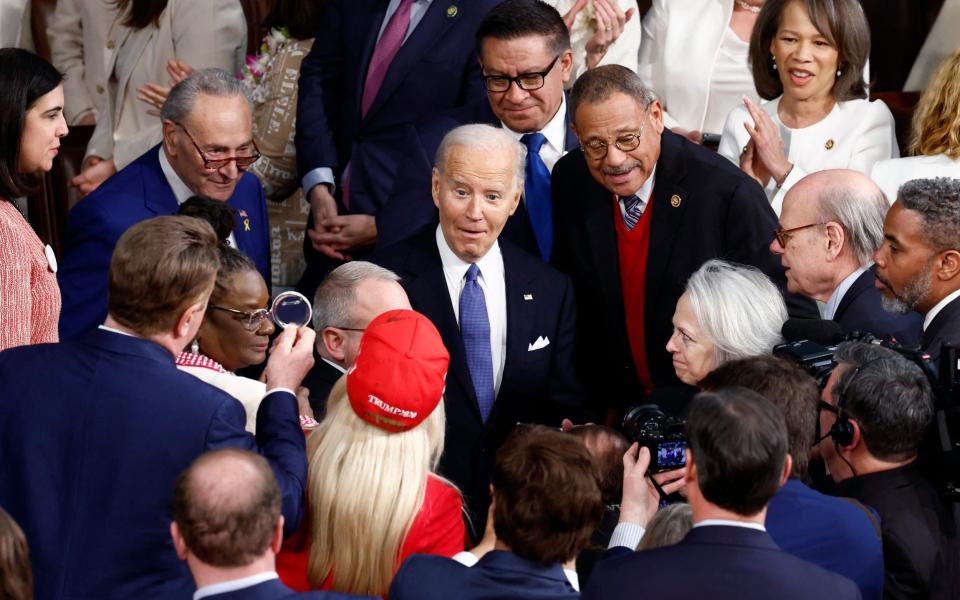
point(472, 273)
point(533, 142)
point(630, 202)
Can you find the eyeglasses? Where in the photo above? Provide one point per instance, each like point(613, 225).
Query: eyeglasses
point(212, 164)
point(783, 235)
point(251, 321)
point(347, 328)
point(596, 149)
point(524, 81)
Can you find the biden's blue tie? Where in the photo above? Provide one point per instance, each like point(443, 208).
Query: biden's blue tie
point(475, 332)
point(536, 191)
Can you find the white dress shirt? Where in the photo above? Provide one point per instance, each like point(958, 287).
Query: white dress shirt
point(729, 523)
point(731, 75)
point(232, 586)
point(556, 134)
point(180, 190)
point(494, 294)
point(932, 313)
point(644, 194)
point(829, 309)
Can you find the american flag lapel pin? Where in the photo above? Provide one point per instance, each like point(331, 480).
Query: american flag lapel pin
point(246, 220)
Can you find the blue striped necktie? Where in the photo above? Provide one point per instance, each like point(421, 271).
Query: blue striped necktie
point(475, 332)
point(632, 211)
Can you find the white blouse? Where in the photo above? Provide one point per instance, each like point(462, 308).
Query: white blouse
point(891, 174)
point(731, 75)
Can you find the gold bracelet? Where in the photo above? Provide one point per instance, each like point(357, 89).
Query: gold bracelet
point(785, 175)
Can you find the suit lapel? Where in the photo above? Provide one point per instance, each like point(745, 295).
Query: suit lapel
point(860, 285)
point(158, 196)
point(668, 208)
point(372, 23)
point(570, 141)
point(602, 244)
point(515, 285)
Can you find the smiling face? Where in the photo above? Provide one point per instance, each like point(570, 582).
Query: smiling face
point(805, 257)
point(43, 126)
point(806, 59)
point(223, 336)
point(694, 354)
point(475, 194)
point(904, 263)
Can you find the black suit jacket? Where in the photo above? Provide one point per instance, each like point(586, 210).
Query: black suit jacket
point(720, 213)
point(538, 386)
point(411, 207)
point(860, 310)
point(320, 381)
point(943, 329)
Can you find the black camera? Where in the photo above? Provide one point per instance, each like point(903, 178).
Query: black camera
point(661, 434)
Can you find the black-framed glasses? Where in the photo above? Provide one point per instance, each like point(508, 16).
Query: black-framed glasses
point(784, 235)
point(525, 81)
point(595, 149)
point(251, 320)
point(212, 164)
point(348, 328)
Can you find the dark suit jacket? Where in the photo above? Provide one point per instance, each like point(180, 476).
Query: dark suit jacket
point(498, 574)
point(833, 533)
point(920, 536)
point(860, 310)
point(274, 590)
point(138, 192)
point(537, 387)
point(93, 434)
point(716, 562)
point(411, 207)
point(943, 329)
point(320, 381)
point(722, 213)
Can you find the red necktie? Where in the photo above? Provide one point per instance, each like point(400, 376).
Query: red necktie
point(387, 48)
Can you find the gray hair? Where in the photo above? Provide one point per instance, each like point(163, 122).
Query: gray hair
point(212, 82)
point(938, 202)
point(738, 307)
point(337, 294)
point(486, 138)
point(668, 526)
point(887, 395)
point(597, 85)
point(859, 213)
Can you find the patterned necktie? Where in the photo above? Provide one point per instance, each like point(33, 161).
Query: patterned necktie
point(537, 194)
point(387, 48)
point(475, 332)
point(632, 211)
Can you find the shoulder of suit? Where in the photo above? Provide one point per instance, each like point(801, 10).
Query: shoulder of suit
point(516, 257)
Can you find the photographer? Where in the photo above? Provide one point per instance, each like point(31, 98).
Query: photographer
point(876, 407)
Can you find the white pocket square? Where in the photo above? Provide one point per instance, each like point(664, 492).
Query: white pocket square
point(541, 343)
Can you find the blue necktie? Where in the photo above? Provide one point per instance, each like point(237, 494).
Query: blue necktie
point(475, 332)
point(537, 193)
point(631, 211)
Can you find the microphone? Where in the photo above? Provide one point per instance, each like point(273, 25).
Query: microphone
point(821, 331)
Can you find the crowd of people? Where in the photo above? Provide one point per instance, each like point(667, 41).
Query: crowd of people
point(646, 305)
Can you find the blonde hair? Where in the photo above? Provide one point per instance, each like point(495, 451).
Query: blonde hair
point(936, 121)
point(365, 486)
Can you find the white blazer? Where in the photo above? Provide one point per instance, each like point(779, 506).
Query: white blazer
point(891, 174)
point(14, 14)
point(207, 33)
point(681, 39)
point(943, 39)
point(855, 135)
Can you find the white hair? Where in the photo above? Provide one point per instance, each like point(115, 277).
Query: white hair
point(860, 213)
point(486, 138)
point(336, 295)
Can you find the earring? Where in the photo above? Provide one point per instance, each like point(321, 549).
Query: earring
point(195, 346)
point(774, 62)
point(839, 72)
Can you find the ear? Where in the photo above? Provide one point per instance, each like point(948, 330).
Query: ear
point(190, 319)
point(277, 540)
point(515, 201)
point(566, 65)
point(949, 265)
point(835, 239)
point(169, 137)
point(435, 187)
point(690, 467)
point(178, 543)
point(656, 116)
point(787, 470)
point(333, 342)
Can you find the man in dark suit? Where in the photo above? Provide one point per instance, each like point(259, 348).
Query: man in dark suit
point(375, 68)
point(207, 147)
point(91, 488)
point(876, 407)
point(736, 460)
point(547, 502)
point(636, 211)
point(838, 534)
point(830, 226)
point(349, 298)
point(918, 265)
point(525, 59)
point(505, 316)
point(228, 528)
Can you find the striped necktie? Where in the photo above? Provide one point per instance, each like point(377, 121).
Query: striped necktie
point(632, 211)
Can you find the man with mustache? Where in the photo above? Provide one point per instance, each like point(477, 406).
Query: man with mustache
point(918, 265)
point(636, 210)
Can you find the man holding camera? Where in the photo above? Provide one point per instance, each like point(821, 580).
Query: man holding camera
point(876, 407)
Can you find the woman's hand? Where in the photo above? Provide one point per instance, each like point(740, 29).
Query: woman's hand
point(764, 152)
point(610, 20)
point(95, 171)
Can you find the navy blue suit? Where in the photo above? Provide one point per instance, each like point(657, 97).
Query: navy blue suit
point(274, 590)
point(93, 434)
point(716, 562)
point(538, 386)
point(411, 208)
point(831, 532)
point(498, 575)
point(944, 329)
point(138, 192)
point(860, 310)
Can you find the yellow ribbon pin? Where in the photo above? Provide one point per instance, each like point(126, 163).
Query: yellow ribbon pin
point(246, 224)
point(451, 12)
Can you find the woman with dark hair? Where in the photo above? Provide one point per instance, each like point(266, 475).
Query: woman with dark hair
point(808, 59)
point(31, 125)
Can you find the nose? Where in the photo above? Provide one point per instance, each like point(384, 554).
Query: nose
point(880, 256)
point(230, 170)
point(515, 94)
point(266, 327)
point(474, 210)
point(671, 343)
point(775, 247)
point(62, 129)
point(615, 156)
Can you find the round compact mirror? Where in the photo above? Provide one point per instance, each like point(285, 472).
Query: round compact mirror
point(291, 308)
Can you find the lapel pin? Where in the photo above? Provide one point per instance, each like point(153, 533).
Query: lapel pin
point(528, 296)
point(451, 12)
point(246, 224)
point(675, 201)
point(829, 144)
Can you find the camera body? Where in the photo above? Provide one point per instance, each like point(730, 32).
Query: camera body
point(661, 434)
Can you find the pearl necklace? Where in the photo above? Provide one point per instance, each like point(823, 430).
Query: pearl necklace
point(747, 6)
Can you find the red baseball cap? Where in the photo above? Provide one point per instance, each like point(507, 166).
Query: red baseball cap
point(400, 372)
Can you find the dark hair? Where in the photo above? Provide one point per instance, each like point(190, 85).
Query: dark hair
point(521, 18)
point(232, 261)
point(546, 494)
point(301, 18)
point(15, 578)
point(739, 444)
point(227, 521)
point(842, 22)
point(597, 85)
point(887, 395)
point(608, 457)
point(24, 78)
point(786, 386)
point(219, 214)
point(938, 202)
point(143, 13)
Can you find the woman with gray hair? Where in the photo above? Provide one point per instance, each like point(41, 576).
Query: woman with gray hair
point(728, 311)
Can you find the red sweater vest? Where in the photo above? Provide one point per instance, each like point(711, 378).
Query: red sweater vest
point(632, 247)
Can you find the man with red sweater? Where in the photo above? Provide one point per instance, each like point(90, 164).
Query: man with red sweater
point(636, 210)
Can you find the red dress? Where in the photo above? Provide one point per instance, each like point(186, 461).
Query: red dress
point(437, 529)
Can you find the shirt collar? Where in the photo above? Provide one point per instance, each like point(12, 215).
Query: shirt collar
point(112, 330)
point(829, 309)
point(646, 189)
point(730, 523)
point(490, 264)
point(236, 584)
point(180, 190)
point(333, 364)
point(932, 313)
point(555, 131)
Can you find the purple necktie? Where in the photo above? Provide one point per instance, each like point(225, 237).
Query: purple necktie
point(387, 47)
